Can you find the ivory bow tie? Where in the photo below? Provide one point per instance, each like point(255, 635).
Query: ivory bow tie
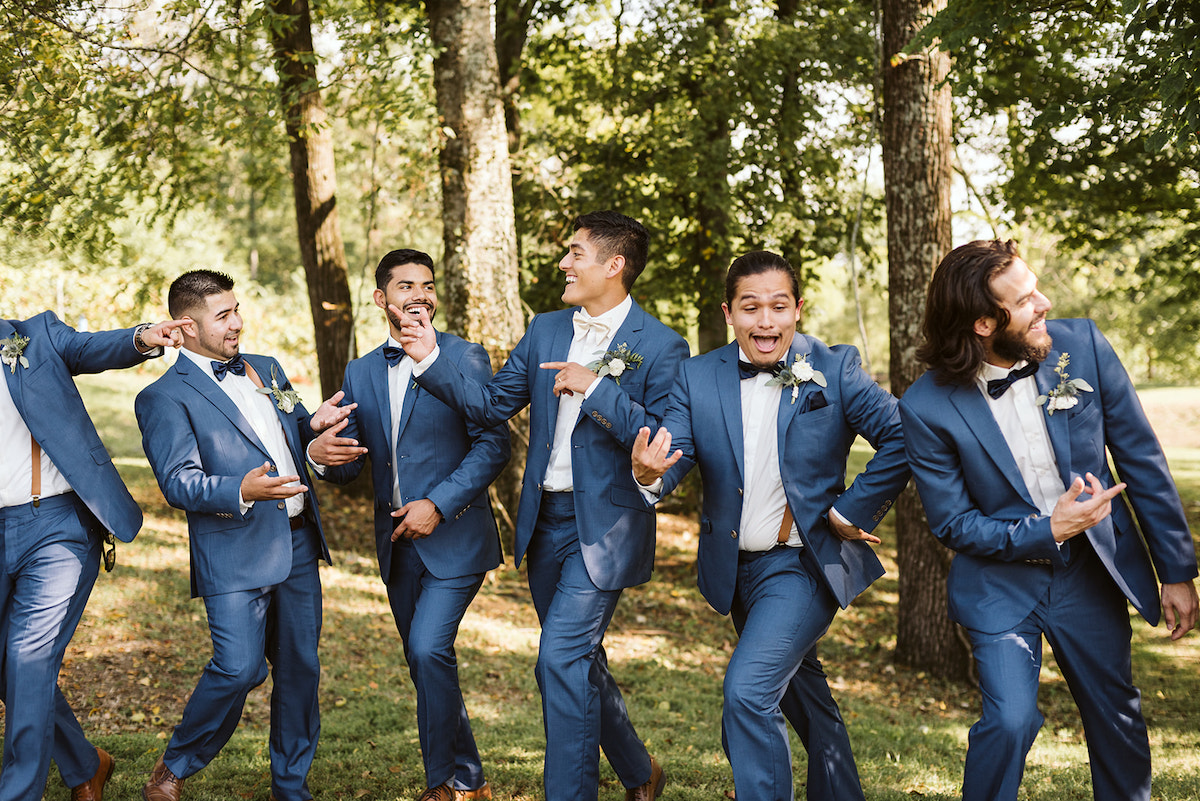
point(586, 325)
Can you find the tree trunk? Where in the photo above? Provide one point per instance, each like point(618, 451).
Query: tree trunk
point(480, 284)
point(315, 188)
point(916, 160)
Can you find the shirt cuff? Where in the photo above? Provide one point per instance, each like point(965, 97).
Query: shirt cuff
point(243, 505)
point(319, 469)
point(652, 493)
point(423, 365)
point(841, 517)
point(592, 388)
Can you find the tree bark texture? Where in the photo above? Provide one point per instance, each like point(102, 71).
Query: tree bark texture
point(314, 186)
point(480, 280)
point(916, 159)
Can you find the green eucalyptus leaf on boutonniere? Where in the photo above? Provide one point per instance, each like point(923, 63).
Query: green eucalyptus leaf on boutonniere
point(1066, 394)
point(11, 348)
point(285, 399)
point(616, 361)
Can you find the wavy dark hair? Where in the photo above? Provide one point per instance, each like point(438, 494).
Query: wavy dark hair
point(959, 294)
point(618, 235)
point(753, 263)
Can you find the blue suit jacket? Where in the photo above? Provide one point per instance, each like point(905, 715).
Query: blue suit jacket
point(616, 529)
point(815, 432)
point(440, 457)
point(978, 505)
point(201, 447)
point(50, 405)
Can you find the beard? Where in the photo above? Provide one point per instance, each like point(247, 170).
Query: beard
point(429, 308)
point(1017, 346)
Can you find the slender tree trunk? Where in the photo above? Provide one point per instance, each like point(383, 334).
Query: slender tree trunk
point(315, 188)
point(480, 285)
point(512, 31)
point(917, 161)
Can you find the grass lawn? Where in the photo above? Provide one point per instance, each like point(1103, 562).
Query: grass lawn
point(143, 642)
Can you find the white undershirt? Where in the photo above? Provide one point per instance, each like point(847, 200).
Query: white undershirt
point(16, 467)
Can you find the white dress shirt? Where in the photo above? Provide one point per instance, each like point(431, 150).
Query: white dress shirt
point(399, 380)
point(764, 501)
point(259, 411)
point(1023, 425)
point(586, 347)
point(16, 466)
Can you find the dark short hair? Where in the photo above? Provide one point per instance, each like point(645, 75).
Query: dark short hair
point(753, 263)
point(618, 235)
point(960, 293)
point(189, 290)
point(397, 258)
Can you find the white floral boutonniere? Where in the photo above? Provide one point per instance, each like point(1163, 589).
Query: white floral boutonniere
point(616, 361)
point(1066, 394)
point(11, 349)
point(285, 399)
point(801, 372)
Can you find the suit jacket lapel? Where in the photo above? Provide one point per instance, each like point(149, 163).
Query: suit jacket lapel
point(1056, 424)
point(7, 329)
point(262, 366)
point(979, 420)
point(559, 349)
point(377, 370)
point(208, 388)
point(729, 391)
point(788, 406)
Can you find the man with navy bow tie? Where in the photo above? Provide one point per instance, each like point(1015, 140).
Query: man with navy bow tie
point(770, 418)
point(435, 534)
point(225, 435)
point(591, 376)
point(60, 498)
point(1009, 436)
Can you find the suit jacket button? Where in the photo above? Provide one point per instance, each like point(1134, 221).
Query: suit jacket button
point(739, 490)
point(282, 504)
point(733, 534)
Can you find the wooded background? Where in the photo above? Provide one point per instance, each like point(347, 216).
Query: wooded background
point(292, 143)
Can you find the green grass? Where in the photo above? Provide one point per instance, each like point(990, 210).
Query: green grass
point(143, 643)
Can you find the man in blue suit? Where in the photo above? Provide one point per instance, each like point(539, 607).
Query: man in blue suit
point(435, 534)
point(770, 418)
point(60, 497)
point(225, 435)
point(581, 523)
point(1007, 437)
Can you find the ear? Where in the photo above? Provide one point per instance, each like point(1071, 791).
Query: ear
point(380, 299)
point(728, 318)
point(189, 326)
point(615, 266)
point(799, 305)
point(985, 327)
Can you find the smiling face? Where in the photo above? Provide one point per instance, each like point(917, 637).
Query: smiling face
point(763, 313)
point(215, 328)
point(410, 287)
point(592, 281)
point(1025, 335)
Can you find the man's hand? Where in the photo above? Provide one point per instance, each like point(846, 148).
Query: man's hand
point(258, 486)
point(572, 377)
point(848, 531)
point(1179, 607)
point(329, 413)
point(416, 519)
point(1071, 517)
point(416, 332)
point(331, 450)
point(164, 335)
point(652, 458)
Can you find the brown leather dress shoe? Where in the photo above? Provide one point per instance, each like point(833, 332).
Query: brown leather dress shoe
point(439, 793)
point(163, 785)
point(652, 789)
point(467, 795)
point(93, 788)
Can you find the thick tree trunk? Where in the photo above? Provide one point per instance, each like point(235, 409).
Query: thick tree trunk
point(315, 188)
point(480, 284)
point(916, 161)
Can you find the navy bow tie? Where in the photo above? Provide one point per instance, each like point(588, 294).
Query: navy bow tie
point(393, 355)
point(998, 386)
point(235, 365)
point(748, 370)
